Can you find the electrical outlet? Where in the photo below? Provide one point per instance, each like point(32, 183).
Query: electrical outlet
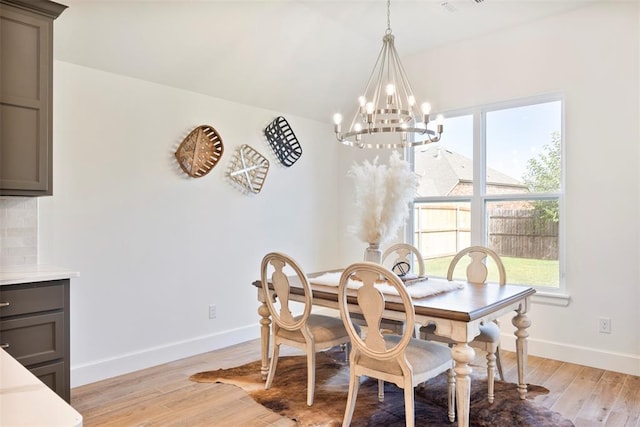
point(605, 325)
point(212, 311)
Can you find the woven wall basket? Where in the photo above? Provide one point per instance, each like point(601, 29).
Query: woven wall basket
point(248, 169)
point(283, 141)
point(200, 151)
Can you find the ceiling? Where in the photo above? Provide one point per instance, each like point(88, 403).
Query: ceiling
point(308, 58)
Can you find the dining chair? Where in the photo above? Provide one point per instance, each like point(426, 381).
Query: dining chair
point(489, 337)
point(308, 332)
point(404, 260)
point(401, 258)
point(399, 359)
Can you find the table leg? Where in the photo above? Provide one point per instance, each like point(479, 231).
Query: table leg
point(521, 322)
point(265, 331)
point(491, 373)
point(451, 394)
point(463, 355)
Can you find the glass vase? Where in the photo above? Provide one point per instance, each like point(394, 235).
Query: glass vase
point(373, 253)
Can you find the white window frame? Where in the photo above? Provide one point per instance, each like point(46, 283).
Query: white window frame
point(479, 198)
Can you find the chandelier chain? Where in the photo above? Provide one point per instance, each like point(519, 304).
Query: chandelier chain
point(388, 17)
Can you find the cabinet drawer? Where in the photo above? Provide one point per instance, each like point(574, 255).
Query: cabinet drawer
point(21, 299)
point(53, 375)
point(34, 339)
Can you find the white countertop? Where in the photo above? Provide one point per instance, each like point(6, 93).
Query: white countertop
point(27, 401)
point(14, 274)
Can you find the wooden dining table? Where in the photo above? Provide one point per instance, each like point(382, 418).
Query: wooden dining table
point(457, 314)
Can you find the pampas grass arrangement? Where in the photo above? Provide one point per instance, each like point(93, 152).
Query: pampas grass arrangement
point(383, 194)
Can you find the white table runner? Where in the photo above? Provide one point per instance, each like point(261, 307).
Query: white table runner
point(421, 289)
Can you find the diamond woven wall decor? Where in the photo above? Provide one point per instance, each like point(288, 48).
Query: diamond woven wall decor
point(283, 141)
point(200, 151)
point(248, 169)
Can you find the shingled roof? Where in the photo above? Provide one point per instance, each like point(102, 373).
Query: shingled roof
point(442, 170)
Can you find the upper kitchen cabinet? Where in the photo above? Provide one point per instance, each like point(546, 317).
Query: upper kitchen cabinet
point(26, 83)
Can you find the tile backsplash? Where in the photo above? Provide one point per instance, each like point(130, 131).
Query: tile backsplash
point(18, 230)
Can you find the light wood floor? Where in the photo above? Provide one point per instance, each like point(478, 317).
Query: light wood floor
point(164, 396)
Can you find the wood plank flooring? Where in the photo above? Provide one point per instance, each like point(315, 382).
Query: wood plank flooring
point(164, 396)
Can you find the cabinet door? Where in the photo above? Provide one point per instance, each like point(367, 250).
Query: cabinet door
point(53, 375)
point(34, 339)
point(25, 102)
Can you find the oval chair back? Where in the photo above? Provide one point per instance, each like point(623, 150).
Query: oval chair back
point(282, 315)
point(371, 302)
point(405, 253)
point(477, 271)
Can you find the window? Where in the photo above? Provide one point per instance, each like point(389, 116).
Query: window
point(494, 179)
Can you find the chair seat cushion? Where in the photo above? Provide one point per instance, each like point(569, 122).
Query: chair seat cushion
point(423, 356)
point(489, 332)
point(323, 328)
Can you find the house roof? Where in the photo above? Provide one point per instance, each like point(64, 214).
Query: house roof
point(442, 170)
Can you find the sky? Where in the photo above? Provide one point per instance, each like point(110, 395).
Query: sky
point(514, 135)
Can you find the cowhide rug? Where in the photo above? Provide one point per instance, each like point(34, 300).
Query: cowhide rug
point(287, 397)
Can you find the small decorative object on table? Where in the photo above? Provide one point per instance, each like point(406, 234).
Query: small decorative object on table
point(383, 195)
point(200, 151)
point(283, 141)
point(401, 268)
point(248, 169)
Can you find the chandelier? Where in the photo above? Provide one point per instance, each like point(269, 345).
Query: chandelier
point(388, 106)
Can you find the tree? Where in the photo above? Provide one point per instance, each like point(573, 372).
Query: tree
point(543, 176)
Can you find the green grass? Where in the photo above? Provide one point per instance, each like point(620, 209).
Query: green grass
point(522, 271)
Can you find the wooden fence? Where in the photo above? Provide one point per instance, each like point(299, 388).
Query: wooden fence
point(519, 233)
point(445, 229)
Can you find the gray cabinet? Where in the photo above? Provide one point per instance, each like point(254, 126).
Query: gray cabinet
point(26, 80)
point(34, 329)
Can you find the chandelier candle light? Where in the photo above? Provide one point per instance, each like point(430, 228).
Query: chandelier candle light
point(388, 106)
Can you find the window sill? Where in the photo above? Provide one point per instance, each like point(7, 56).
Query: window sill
point(551, 298)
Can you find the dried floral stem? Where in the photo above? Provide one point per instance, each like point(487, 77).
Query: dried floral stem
point(383, 195)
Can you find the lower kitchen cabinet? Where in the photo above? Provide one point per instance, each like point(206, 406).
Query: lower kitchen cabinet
point(34, 329)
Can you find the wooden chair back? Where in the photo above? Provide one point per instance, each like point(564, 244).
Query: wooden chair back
point(276, 262)
point(477, 271)
point(371, 302)
point(404, 252)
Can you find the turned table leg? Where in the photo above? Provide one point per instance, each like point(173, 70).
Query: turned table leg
point(521, 322)
point(265, 331)
point(491, 373)
point(451, 394)
point(463, 355)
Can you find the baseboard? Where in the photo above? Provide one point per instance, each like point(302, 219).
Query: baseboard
point(130, 362)
point(596, 358)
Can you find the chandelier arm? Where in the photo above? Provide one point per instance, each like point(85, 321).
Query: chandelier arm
point(360, 112)
point(397, 76)
point(353, 121)
point(373, 70)
point(405, 80)
point(378, 87)
point(404, 86)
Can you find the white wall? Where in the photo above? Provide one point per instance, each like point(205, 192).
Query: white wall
point(592, 56)
point(155, 247)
